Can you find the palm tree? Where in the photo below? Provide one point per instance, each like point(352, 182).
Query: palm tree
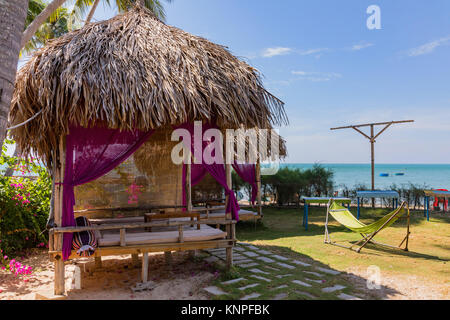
point(55, 26)
point(81, 6)
point(12, 23)
point(12, 19)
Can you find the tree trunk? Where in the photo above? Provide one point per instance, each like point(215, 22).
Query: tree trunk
point(39, 20)
point(91, 12)
point(9, 172)
point(12, 23)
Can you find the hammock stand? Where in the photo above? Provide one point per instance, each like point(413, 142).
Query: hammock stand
point(367, 232)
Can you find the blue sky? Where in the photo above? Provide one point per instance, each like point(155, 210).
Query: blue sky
point(320, 58)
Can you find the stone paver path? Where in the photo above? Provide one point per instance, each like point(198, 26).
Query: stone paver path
point(266, 275)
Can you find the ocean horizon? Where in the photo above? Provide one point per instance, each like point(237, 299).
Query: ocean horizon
point(435, 176)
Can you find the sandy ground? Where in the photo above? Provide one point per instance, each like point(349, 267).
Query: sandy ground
point(184, 279)
point(397, 286)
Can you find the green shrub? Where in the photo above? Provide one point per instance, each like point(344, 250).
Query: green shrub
point(24, 205)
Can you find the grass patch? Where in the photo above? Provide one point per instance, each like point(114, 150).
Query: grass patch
point(281, 231)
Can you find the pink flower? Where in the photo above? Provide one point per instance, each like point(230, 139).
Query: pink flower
point(5, 257)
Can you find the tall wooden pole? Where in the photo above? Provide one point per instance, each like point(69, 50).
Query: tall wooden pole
point(372, 151)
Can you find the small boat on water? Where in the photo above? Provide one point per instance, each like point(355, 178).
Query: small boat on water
point(384, 174)
point(399, 174)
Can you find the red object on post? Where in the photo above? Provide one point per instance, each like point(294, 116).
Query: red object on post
point(437, 200)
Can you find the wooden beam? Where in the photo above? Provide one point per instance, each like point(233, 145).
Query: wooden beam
point(369, 124)
point(59, 283)
point(384, 129)
point(155, 247)
point(145, 267)
point(123, 240)
point(365, 135)
point(118, 226)
point(188, 186)
point(258, 186)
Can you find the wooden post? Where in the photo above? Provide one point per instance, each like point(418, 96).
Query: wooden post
point(258, 185)
point(372, 160)
point(123, 238)
point(135, 259)
point(229, 250)
point(59, 285)
point(188, 187)
point(144, 267)
point(98, 262)
point(191, 253)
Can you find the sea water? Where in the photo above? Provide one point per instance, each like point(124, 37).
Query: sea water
point(433, 176)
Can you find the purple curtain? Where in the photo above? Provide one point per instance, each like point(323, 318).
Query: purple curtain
point(198, 172)
point(216, 170)
point(90, 154)
point(247, 172)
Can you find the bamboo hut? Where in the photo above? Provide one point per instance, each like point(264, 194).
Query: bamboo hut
point(137, 78)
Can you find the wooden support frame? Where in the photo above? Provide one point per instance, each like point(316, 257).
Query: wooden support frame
point(368, 238)
point(57, 242)
point(372, 138)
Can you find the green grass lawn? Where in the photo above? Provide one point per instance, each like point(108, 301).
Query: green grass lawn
point(429, 244)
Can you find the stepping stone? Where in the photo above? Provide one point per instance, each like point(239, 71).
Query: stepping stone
point(314, 273)
point(316, 281)
point(238, 249)
point(329, 271)
point(233, 281)
point(300, 263)
point(249, 286)
point(260, 278)
point(271, 268)
point(306, 294)
point(301, 283)
point(280, 287)
point(211, 259)
point(280, 296)
point(252, 248)
point(254, 270)
point(264, 252)
point(333, 288)
point(344, 296)
point(248, 265)
point(244, 244)
point(284, 265)
point(251, 296)
point(265, 259)
point(280, 276)
point(214, 290)
point(250, 254)
point(243, 261)
point(279, 257)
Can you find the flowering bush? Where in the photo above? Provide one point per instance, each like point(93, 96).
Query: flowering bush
point(24, 205)
point(15, 267)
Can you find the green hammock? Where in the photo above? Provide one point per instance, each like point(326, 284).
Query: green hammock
point(344, 217)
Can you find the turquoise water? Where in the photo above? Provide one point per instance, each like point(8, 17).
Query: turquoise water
point(432, 175)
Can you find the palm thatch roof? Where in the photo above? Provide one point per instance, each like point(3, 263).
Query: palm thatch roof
point(134, 71)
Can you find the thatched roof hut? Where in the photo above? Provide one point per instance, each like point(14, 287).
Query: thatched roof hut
point(134, 71)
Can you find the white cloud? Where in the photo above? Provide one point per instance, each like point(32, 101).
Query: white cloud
point(311, 51)
point(317, 76)
point(278, 51)
point(428, 47)
point(361, 46)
